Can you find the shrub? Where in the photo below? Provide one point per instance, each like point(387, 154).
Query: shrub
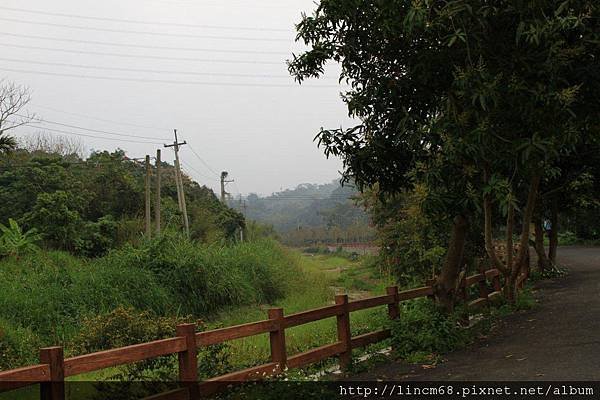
point(126, 326)
point(423, 330)
point(57, 216)
point(204, 278)
point(50, 291)
point(567, 238)
point(97, 238)
point(18, 346)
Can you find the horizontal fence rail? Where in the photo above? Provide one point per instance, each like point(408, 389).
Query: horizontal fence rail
point(53, 368)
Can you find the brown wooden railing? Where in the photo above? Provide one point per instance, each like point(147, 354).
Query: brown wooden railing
point(53, 368)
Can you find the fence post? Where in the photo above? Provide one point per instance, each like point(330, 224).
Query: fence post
point(431, 282)
point(393, 308)
point(343, 331)
point(277, 339)
point(188, 359)
point(55, 389)
point(483, 290)
point(496, 283)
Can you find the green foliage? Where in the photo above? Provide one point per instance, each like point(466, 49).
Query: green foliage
point(204, 278)
point(14, 242)
point(121, 327)
point(18, 346)
point(555, 271)
point(125, 326)
point(97, 238)
point(567, 238)
point(7, 143)
point(423, 330)
point(51, 292)
point(57, 216)
point(411, 243)
point(525, 300)
point(90, 206)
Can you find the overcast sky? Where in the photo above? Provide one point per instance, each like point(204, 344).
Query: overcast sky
point(259, 127)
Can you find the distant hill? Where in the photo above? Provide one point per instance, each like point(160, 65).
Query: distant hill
point(310, 213)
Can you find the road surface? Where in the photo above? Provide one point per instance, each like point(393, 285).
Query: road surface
point(559, 339)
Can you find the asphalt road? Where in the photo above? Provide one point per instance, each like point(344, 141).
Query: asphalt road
point(559, 339)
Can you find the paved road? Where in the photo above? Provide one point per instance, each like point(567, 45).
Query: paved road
point(558, 340)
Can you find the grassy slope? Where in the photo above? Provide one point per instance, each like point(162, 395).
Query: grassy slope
point(43, 298)
point(324, 276)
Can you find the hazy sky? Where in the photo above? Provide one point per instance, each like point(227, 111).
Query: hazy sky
point(259, 127)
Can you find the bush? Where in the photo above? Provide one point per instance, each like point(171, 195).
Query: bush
point(126, 326)
point(97, 238)
point(424, 331)
point(203, 278)
point(51, 292)
point(567, 238)
point(18, 346)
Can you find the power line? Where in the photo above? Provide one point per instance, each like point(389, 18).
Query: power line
point(89, 129)
point(130, 21)
point(138, 56)
point(96, 137)
point(100, 119)
point(69, 163)
point(141, 46)
point(198, 172)
point(221, 4)
point(202, 160)
point(156, 71)
point(163, 34)
point(122, 79)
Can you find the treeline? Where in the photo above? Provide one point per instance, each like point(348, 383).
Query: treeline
point(311, 214)
point(90, 205)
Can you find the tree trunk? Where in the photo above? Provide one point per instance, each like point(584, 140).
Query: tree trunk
point(543, 263)
point(522, 261)
point(527, 217)
point(489, 242)
point(446, 283)
point(553, 236)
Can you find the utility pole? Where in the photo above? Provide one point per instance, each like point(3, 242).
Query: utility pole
point(147, 208)
point(157, 205)
point(179, 183)
point(224, 181)
point(243, 210)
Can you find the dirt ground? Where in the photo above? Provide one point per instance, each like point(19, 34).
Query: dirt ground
point(559, 339)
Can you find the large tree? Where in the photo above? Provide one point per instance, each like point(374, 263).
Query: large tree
point(479, 96)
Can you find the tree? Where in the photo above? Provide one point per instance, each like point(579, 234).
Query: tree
point(57, 215)
point(14, 242)
point(13, 99)
point(478, 96)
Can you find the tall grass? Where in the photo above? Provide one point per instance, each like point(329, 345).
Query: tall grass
point(45, 296)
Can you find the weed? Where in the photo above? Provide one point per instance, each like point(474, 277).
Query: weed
point(424, 330)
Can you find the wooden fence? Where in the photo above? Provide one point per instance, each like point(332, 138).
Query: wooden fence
point(53, 368)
